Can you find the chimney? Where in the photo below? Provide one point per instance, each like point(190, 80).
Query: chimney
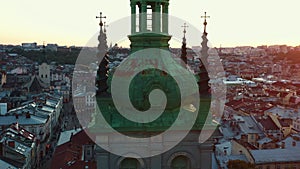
point(27, 115)
point(283, 145)
point(71, 137)
point(11, 144)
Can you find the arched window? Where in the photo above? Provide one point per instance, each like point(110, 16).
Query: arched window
point(181, 162)
point(130, 163)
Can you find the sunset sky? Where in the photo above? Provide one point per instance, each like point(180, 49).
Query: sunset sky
point(232, 22)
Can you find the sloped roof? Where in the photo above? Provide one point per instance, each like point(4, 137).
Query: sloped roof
point(22, 120)
point(9, 164)
point(275, 155)
point(69, 154)
point(35, 85)
point(66, 136)
point(267, 123)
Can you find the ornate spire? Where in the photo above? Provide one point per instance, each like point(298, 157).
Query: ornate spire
point(184, 32)
point(183, 48)
point(204, 50)
point(203, 75)
point(102, 47)
point(101, 22)
point(205, 22)
point(102, 73)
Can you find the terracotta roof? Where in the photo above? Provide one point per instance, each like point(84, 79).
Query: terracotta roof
point(267, 123)
point(272, 93)
point(69, 155)
point(284, 94)
point(294, 99)
point(235, 104)
point(283, 124)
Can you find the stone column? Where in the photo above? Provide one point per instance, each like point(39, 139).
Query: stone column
point(133, 18)
point(140, 18)
point(165, 18)
point(143, 17)
point(156, 22)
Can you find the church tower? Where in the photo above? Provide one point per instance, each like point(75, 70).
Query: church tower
point(44, 69)
point(149, 24)
point(44, 73)
point(149, 29)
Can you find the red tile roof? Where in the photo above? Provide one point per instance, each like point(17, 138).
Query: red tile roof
point(267, 123)
point(68, 155)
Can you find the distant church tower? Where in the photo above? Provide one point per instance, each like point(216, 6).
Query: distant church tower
point(102, 73)
point(44, 69)
point(44, 73)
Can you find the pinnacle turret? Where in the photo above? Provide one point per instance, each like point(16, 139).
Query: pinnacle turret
point(183, 48)
point(203, 75)
point(102, 73)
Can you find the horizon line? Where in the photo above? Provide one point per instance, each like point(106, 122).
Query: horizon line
point(220, 46)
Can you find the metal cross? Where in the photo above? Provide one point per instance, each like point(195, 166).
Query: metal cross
point(184, 26)
point(205, 23)
point(205, 16)
point(101, 17)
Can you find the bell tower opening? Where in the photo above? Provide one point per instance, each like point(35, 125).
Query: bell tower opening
point(149, 24)
point(149, 18)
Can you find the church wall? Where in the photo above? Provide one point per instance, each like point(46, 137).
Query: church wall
point(198, 154)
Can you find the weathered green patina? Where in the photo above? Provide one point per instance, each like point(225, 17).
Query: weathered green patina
point(151, 79)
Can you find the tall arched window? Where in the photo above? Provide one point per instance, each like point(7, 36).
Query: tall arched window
point(181, 162)
point(130, 163)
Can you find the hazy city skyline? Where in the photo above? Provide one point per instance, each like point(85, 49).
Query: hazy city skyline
point(232, 22)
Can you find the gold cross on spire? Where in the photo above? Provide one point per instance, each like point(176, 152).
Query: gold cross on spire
point(205, 23)
point(101, 17)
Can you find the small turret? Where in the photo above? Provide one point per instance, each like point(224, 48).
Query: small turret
point(102, 73)
point(183, 48)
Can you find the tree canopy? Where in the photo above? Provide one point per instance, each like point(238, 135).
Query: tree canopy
point(59, 57)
